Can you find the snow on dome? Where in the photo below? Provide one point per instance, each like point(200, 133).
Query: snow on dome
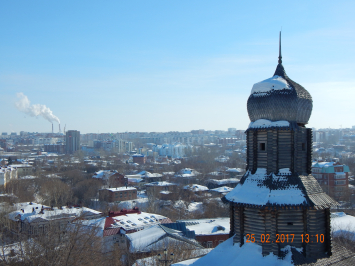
point(264, 123)
point(274, 83)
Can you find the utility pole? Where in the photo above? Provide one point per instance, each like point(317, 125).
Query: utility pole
point(165, 260)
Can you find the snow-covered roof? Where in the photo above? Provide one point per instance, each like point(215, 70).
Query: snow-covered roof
point(216, 173)
point(137, 155)
point(121, 189)
point(252, 191)
point(166, 192)
point(234, 170)
point(133, 176)
point(161, 184)
point(330, 167)
point(264, 123)
point(187, 172)
point(139, 241)
point(135, 221)
point(284, 188)
point(224, 181)
point(157, 237)
point(21, 165)
point(104, 174)
point(267, 85)
point(214, 226)
point(148, 174)
point(196, 187)
point(7, 169)
point(222, 189)
point(135, 180)
point(28, 177)
point(98, 223)
point(323, 164)
point(168, 173)
point(32, 211)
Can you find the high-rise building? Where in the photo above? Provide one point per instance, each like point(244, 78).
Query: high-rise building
point(72, 141)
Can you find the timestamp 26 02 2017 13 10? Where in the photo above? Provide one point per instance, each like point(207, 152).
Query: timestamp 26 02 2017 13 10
point(284, 238)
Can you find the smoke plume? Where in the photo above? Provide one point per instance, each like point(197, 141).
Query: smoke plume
point(23, 104)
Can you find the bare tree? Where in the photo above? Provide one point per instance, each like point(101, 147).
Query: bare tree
point(55, 192)
point(76, 244)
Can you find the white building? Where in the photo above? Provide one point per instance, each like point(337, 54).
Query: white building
point(175, 150)
point(7, 173)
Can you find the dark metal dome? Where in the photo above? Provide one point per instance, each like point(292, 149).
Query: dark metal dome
point(292, 103)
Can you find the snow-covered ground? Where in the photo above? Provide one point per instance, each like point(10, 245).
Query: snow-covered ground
point(196, 207)
point(343, 225)
point(154, 260)
point(227, 254)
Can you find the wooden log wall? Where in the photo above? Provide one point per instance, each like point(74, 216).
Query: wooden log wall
point(252, 146)
point(328, 236)
point(262, 154)
point(231, 222)
point(291, 222)
point(238, 223)
point(271, 229)
point(284, 222)
point(254, 223)
point(284, 145)
point(310, 150)
point(283, 149)
point(316, 224)
point(272, 151)
point(301, 151)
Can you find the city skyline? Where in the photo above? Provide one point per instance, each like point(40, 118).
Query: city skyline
point(159, 67)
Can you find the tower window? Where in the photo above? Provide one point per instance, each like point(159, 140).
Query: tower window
point(290, 223)
point(303, 146)
point(262, 146)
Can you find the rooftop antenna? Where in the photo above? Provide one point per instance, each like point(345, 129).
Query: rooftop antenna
point(280, 56)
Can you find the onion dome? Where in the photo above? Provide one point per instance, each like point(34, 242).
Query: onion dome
point(279, 98)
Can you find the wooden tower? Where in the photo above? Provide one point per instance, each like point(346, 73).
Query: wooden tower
point(278, 198)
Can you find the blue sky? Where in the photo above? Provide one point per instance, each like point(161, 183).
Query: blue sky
point(115, 66)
